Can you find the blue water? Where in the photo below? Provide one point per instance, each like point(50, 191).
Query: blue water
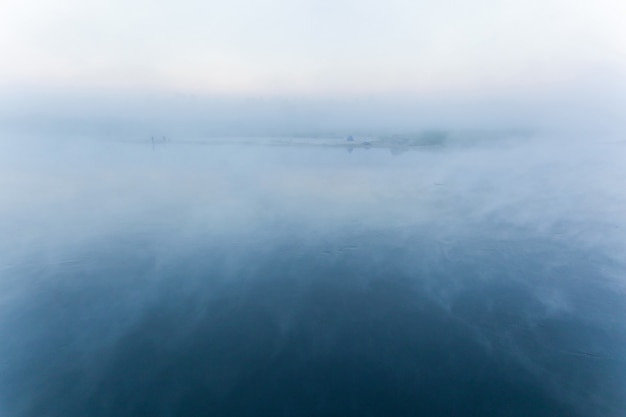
point(192, 279)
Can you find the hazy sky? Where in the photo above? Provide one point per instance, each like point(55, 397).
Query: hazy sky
point(311, 47)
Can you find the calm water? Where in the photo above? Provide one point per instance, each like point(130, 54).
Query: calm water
point(478, 279)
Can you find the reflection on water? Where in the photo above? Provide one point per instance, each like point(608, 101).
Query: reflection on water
point(206, 279)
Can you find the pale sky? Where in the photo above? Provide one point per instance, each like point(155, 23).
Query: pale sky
point(310, 47)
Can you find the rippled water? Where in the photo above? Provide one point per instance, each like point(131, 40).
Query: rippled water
point(188, 279)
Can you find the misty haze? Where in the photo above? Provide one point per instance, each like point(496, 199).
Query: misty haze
point(312, 209)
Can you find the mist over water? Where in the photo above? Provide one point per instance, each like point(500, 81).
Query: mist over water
point(312, 208)
point(480, 275)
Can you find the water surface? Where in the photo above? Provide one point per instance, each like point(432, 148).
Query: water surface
point(477, 278)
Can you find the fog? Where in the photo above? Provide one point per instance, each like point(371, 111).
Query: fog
point(298, 208)
point(591, 107)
